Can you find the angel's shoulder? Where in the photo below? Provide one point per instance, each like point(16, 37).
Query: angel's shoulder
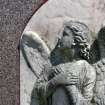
point(86, 66)
point(83, 63)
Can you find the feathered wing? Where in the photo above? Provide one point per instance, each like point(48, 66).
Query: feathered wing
point(34, 55)
point(98, 62)
point(99, 90)
point(94, 52)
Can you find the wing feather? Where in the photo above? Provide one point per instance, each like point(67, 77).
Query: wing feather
point(35, 51)
point(34, 54)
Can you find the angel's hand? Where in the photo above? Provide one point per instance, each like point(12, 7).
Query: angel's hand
point(63, 79)
point(72, 79)
point(60, 80)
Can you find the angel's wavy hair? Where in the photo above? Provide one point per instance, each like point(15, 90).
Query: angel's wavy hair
point(81, 35)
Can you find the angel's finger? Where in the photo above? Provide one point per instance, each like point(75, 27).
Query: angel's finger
point(73, 78)
point(72, 75)
point(72, 82)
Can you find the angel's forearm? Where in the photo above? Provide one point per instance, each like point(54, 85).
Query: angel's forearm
point(60, 80)
point(64, 79)
point(55, 82)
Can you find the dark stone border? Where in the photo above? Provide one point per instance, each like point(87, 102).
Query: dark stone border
point(14, 15)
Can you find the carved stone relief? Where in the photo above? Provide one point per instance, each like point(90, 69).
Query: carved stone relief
point(62, 57)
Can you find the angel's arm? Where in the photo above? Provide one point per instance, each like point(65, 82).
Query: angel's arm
point(62, 79)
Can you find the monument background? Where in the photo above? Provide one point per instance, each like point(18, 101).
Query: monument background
point(14, 16)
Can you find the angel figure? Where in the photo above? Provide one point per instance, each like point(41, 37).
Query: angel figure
point(70, 79)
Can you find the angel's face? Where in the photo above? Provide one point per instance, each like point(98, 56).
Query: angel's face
point(65, 43)
point(67, 39)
